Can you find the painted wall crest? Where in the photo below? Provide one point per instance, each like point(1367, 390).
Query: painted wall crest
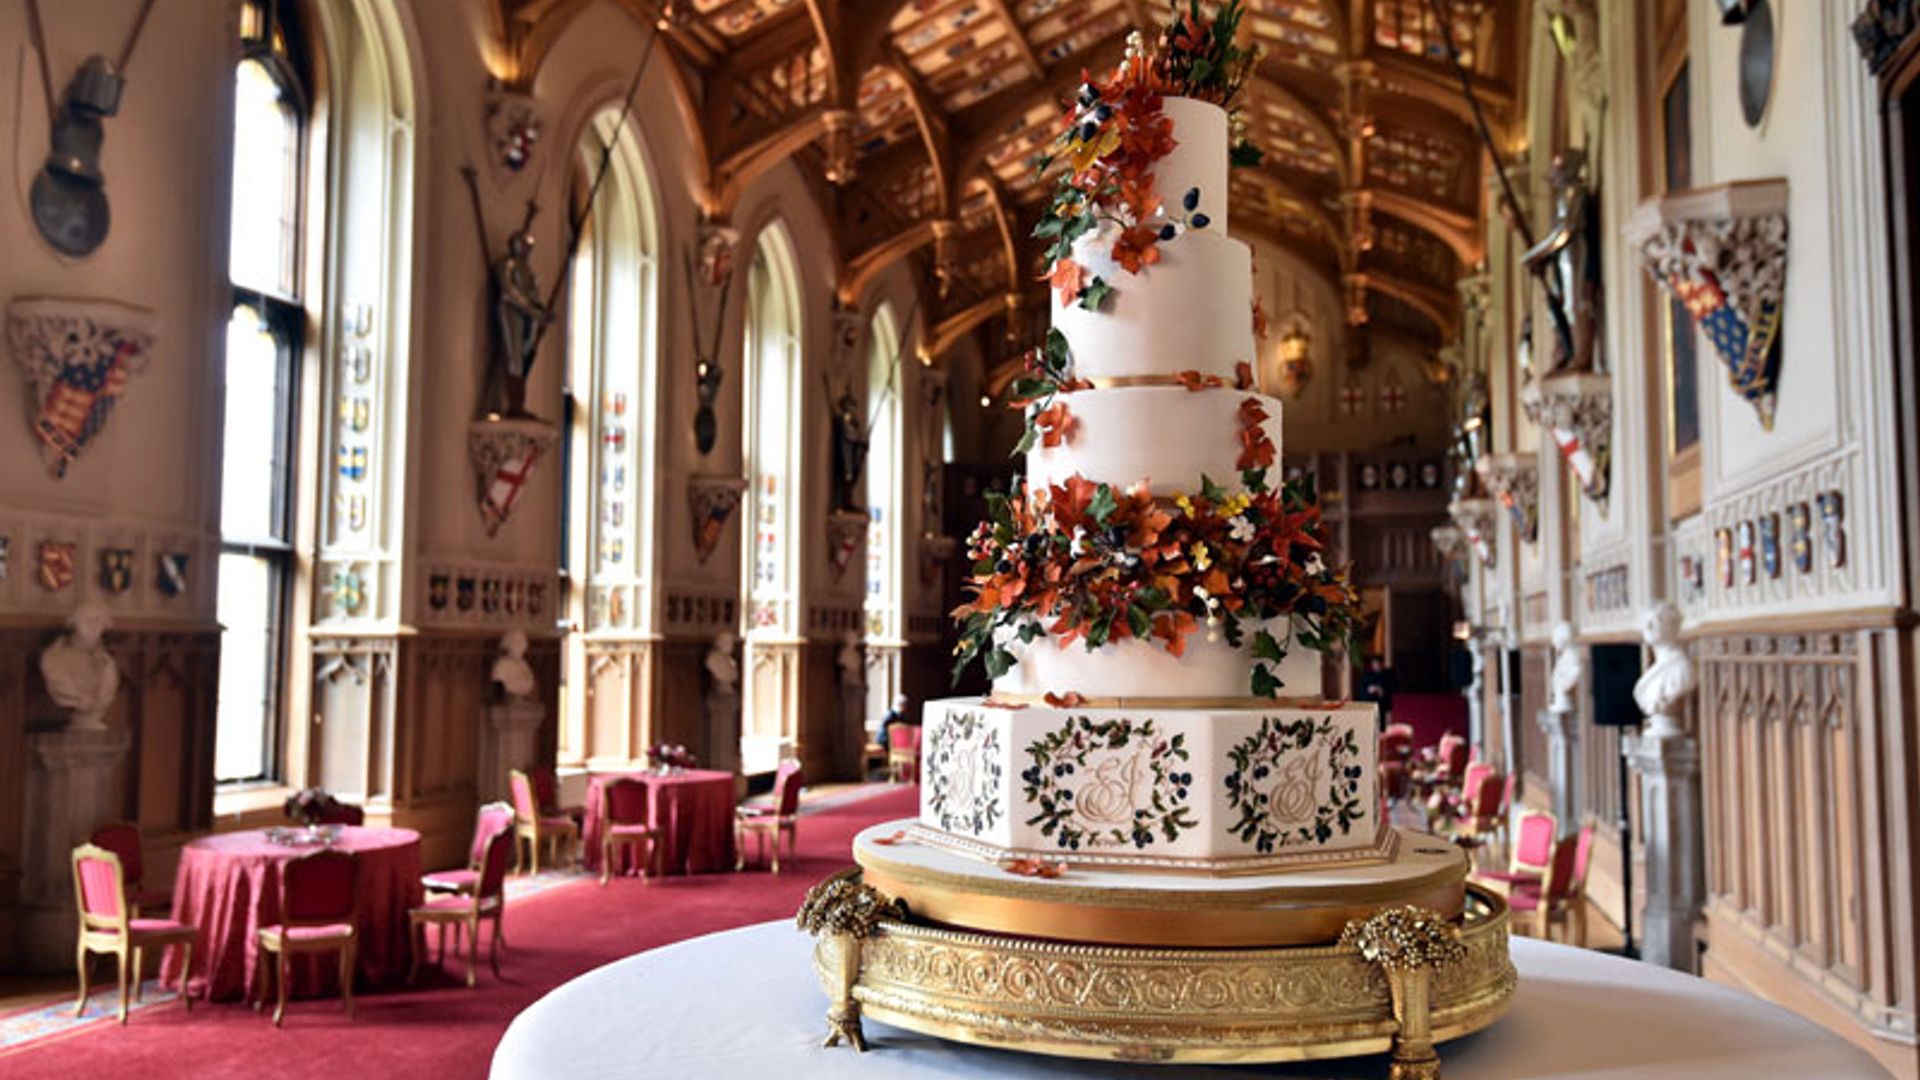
point(78, 357)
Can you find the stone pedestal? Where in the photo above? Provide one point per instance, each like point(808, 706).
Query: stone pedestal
point(723, 730)
point(70, 790)
point(508, 741)
point(1669, 770)
point(1563, 744)
point(1477, 698)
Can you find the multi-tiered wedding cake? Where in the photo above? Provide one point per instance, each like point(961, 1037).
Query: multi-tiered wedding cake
point(1135, 846)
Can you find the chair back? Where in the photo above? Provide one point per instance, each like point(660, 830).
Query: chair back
point(905, 736)
point(319, 888)
point(546, 787)
point(623, 801)
point(493, 817)
point(520, 789)
point(1453, 755)
point(1560, 883)
point(1470, 782)
point(786, 786)
point(1485, 796)
point(1533, 841)
point(1396, 743)
point(99, 888)
point(123, 839)
point(1394, 780)
point(493, 867)
point(1582, 858)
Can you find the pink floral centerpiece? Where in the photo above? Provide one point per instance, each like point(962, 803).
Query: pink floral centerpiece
point(668, 758)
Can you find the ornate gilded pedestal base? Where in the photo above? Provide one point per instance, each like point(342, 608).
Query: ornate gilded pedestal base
point(1400, 982)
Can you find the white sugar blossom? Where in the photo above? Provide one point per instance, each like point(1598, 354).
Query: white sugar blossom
point(1079, 540)
point(1240, 528)
point(1314, 566)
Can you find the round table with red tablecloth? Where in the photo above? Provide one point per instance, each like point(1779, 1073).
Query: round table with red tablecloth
point(228, 886)
point(691, 813)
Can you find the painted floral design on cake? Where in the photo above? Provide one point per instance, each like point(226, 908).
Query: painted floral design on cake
point(1108, 783)
point(964, 773)
point(1295, 782)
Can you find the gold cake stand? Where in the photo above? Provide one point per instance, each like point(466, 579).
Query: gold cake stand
point(1397, 981)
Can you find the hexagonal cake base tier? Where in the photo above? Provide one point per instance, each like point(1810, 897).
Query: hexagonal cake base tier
point(1249, 789)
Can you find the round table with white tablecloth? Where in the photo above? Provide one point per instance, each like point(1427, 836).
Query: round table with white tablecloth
point(746, 1003)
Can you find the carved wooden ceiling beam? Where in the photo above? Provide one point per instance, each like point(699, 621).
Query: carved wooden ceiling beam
point(951, 329)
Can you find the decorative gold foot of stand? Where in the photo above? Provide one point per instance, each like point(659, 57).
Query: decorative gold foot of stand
point(1397, 982)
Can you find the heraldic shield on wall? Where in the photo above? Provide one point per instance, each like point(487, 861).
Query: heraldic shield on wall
point(78, 357)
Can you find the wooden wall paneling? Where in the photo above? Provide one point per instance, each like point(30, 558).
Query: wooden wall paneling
point(16, 652)
point(680, 697)
point(1804, 744)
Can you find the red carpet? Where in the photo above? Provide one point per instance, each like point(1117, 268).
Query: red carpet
point(439, 1028)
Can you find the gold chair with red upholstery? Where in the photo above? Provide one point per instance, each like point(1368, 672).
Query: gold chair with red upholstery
point(109, 925)
point(1479, 807)
point(1561, 897)
point(1396, 743)
point(546, 792)
point(487, 903)
point(1528, 861)
point(493, 818)
point(777, 821)
point(903, 753)
point(123, 839)
point(319, 902)
point(625, 821)
point(535, 828)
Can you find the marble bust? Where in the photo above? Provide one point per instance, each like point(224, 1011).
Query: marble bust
point(722, 668)
point(80, 674)
point(511, 670)
point(1569, 668)
point(1664, 687)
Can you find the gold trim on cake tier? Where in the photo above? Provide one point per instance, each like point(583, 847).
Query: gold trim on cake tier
point(1298, 907)
point(1083, 701)
point(1381, 850)
point(1182, 1005)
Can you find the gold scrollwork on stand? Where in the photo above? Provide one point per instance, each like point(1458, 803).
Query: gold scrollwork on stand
point(1363, 995)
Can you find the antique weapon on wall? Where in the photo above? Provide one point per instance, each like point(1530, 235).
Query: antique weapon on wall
point(69, 196)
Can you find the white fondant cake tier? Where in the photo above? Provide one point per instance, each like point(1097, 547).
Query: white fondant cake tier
point(1200, 158)
point(1168, 436)
point(1216, 789)
point(1145, 670)
point(1191, 311)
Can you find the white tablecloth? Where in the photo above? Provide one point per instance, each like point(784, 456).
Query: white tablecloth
point(745, 1003)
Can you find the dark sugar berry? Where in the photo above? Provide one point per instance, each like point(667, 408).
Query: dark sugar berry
point(1004, 566)
point(1103, 113)
point(1088, 130)
point(1199, 221)
point(1192, 200)
point(1167, 232)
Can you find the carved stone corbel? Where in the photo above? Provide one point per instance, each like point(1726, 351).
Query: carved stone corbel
point(1475, 518)
point(1514, 479)
point(1450, 541)
point(503, 453)
point(711, 500)
point(1722, 251)
point(845, 532)
point(1882, 27)
point(1576, 408)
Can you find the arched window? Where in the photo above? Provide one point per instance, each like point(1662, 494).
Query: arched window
point(262, 374)
point(885, 474)
point(612, 526)
point(772, 452)
point(321, 237)
point(772, 445)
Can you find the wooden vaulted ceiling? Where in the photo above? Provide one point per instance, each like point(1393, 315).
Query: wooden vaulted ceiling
point(921, 119)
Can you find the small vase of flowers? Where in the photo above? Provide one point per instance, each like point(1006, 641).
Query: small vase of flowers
point(669, 758)
point(311, 806)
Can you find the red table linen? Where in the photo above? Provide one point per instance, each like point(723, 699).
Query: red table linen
point(691, 814)
point(228, 886)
